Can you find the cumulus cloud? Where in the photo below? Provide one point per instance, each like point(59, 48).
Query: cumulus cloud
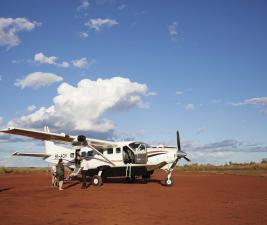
point(99, 23)
point(10, 27)
point(84, 5)
point(81, 107)
point(41, 58)
point(172, 28)
point(254, 101)
point(31, 108)
point(38, 79)
point(80, 63)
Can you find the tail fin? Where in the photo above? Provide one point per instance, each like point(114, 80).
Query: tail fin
point(51, 148)
point(49, 145)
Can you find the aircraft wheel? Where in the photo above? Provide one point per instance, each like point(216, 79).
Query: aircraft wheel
point(169, 182)
point(97, 180)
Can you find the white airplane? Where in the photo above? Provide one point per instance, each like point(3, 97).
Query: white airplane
point(107, 158)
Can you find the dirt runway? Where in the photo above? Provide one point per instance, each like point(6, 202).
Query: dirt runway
point(195, 198)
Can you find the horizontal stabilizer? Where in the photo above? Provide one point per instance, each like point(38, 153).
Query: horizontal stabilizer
point(40, 155)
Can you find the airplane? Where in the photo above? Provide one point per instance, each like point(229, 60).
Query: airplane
point(128, 159)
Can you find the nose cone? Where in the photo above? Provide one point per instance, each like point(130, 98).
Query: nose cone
point(181, 153)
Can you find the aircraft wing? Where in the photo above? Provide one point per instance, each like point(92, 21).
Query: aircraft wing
point(47, 136)
point(95, 144)
point(40, 135)
point(41, 155)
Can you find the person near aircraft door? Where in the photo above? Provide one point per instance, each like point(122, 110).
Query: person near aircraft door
point(54, 176)
point(60, 174)
point(77, 159)
point(85, 168)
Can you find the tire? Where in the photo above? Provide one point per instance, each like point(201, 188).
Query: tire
point(97, 181)
point(168, 182)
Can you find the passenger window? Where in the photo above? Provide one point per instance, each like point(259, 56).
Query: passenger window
point(72, 155)
point(83, 154)
point(118, 150)
point(110, 150)
point(89, 153)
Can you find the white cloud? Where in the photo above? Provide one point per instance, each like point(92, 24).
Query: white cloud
point(31, 108)
point(190, 107)
point(1, 120)
point(10, 27)
point(64, 64)
point(84, 5)
point(254, 101)
point(172, 28)
point(41, 58)
point(83, 35)
point(98, 24)
point(81, 107)
point(179, 92)
point(38, 79)
point(80, 63)
point(52, 60)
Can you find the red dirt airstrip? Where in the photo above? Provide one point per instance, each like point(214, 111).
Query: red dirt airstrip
point(195, 198)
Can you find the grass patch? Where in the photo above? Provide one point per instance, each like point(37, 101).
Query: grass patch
point(23, 170)
point(252, 168)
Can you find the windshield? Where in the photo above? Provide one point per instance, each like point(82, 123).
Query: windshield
point(138, 145)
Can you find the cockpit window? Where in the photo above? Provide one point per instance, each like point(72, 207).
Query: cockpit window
point(140, 145)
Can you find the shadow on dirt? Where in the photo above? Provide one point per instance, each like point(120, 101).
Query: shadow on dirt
point(6, 189)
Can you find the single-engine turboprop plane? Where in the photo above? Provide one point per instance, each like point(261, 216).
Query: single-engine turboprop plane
point(107, 158)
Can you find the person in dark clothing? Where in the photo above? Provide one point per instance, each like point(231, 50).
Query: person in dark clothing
point(84, 167)
point(60, 172)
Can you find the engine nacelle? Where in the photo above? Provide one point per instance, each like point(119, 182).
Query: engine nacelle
point(81, 138)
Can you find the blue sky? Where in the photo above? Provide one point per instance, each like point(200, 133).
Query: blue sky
point(144, 68)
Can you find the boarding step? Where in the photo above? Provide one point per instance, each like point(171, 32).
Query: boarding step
point(75, 172)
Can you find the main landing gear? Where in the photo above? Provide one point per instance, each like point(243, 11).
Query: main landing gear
point(97, 180)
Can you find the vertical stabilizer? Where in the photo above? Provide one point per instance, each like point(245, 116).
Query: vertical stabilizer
point(49, 145)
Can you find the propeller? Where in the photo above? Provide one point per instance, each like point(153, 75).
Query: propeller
point(180, 153)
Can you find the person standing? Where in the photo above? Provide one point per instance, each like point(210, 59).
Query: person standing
point(60, 172)
point(85, 168)
point(54, 175)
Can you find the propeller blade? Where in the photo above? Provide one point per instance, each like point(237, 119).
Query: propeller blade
point(186, 159)
point(178, 141)
point(174, 163)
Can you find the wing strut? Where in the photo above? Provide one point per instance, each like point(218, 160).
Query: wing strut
point(104, 157)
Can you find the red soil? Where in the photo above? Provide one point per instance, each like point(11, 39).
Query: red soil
point(195, 198)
